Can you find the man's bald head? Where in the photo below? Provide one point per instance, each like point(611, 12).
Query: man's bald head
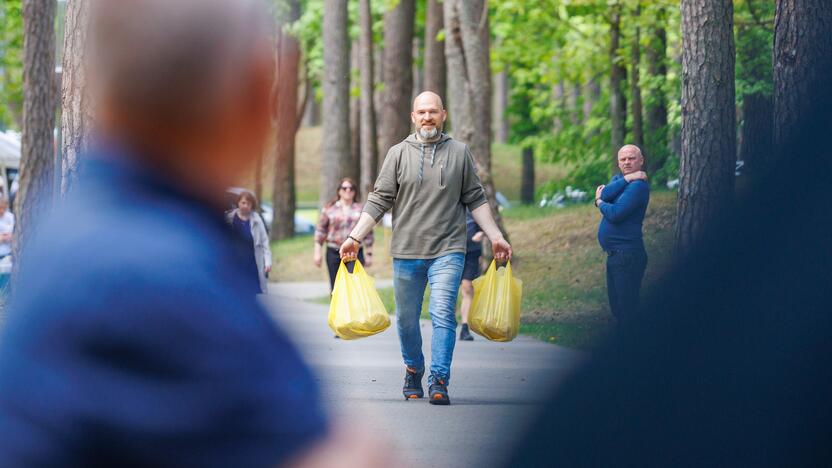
point(172, 61)
point(428, 115)
point(428, 98)
point(630, 159)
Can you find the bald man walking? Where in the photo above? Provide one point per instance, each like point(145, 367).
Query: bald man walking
point(623, 203)
point(428, 180)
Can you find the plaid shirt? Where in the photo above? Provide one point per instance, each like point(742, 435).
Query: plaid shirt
point(334, 227)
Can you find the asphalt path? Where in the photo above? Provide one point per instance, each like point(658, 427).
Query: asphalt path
point(494, 388)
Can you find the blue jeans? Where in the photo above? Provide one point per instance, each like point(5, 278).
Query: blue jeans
point(625, 270)
point(409, 279)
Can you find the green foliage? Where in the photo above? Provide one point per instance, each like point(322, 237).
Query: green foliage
point(11, 63)
point(754, 37)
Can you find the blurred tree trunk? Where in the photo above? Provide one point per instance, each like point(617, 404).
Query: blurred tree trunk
point(635, 86)
point(527, 183)
point(418, 75)
point(76, 114)
point(312, 113)
point(708, 119)
point(575, 103)
point(469, 85)
point(336, 109)
point(757, 134)
point(38, 145)
point(435, 74)
point(656, 109)
point(287, 119)
point(354, 171)
point(592, 92)
point(802, 46)
point(501, 89)
point(618, 75)
point(369, 144)
point(398, 73)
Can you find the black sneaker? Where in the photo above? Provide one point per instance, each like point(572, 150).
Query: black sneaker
point(413, 384)
point(464, 334)
point(438, 391)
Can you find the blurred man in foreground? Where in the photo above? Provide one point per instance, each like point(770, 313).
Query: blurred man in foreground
point(141, 343)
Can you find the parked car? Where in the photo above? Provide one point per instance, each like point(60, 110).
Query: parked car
point(302, 226)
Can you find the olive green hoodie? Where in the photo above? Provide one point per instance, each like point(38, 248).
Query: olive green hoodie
point(428, 185)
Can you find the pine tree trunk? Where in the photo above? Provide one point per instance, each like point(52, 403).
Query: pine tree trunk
point(37, 153)
point(592, 92)
point(418, 71)
point(286, 124)
point(527, 183)
point(469, 85)
point(354, 171)
point(398, 73)
point(656, 109)
point(708, 119)
point(501, 88)
point(618, 75)
point(369, 148)
point(575, 104)
point(336, 88)
point(435, 74)
point(312, 112)
point(802, 47)
point(76, 114)
point(635, 86)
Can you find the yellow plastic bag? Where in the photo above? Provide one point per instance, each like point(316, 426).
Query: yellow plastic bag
point(356, 310)
point(495, 310)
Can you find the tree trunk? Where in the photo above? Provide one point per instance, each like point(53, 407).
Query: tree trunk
point(635, 86)
point(559, 97)
point(36, 163)
point(708, 119)
point(369, 148)
point(501, 88)
point(802, 46)
point(336, 108)
point(286, 124)
point(757, 135)
point(575, 103)
point(418, 75)
point(354, 171)
point(435, 74)
point(469, 85)
point(618, 75)
point(312, 113)
point(592, 92)
point(76, 113)
point(527, 183)
point(656, 109)
point(398, 74)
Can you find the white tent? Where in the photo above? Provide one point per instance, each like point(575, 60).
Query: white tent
point(10, 149)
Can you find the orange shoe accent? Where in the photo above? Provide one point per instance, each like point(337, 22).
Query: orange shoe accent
point(413, 397)
point(437, 397)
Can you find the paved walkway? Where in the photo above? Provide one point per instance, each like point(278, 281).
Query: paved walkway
point(494, 386)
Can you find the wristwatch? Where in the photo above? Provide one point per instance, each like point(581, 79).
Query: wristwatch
point(598, 202)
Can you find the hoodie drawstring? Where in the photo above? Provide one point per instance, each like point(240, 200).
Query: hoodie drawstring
point(422, 147)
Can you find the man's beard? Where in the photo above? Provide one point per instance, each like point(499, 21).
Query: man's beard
point(428, 134)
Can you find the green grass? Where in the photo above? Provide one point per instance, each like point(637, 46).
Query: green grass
point(572, 335)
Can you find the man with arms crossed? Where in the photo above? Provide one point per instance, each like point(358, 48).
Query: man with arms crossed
point(428, 180)
point(623, 203)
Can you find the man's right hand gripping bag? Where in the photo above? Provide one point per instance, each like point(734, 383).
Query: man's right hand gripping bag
point(356, 309)
point(495, 310)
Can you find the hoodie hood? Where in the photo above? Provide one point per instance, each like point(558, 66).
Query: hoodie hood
point(414, 140)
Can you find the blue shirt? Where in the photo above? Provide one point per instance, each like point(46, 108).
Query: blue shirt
point(471, 228)
point(135, 339)
point(623, 207)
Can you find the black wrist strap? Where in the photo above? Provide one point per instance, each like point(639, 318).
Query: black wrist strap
point(356, 240)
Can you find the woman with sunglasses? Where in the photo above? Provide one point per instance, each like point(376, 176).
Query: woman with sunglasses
point(338, 218)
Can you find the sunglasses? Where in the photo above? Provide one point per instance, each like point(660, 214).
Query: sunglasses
point(348, 188)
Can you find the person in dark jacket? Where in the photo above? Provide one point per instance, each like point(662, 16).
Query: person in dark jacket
point(623, 203)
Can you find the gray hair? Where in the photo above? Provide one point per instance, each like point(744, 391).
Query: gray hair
point(172, 60)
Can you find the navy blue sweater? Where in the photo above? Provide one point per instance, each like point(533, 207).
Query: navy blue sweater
point(623, 205)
